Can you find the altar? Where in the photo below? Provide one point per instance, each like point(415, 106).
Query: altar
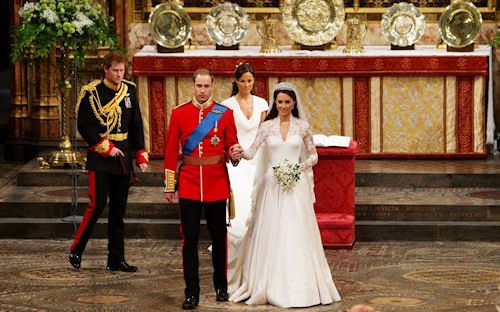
point(401, 103)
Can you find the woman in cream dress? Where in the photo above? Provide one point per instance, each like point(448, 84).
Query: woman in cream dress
point(281, 260)
point(249, 112)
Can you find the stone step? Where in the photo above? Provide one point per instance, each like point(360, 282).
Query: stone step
point(387, 212)
point(432, 204)
point(369, 230)
point(381, 214)
point(62, 209)
point(428, 173)
point(33, 228)
point(57, 202)
point(400, 179)
point(372, 203)
point(395, 200)
point(368, 173)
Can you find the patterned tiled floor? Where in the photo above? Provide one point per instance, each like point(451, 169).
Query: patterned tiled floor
point(390, 276)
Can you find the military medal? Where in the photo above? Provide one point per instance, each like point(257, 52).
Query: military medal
point(128, 104)
point(215, 139)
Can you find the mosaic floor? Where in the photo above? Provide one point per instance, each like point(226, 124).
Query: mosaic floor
point(389, 276)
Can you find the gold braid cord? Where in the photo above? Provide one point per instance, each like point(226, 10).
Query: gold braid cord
point(108, 115)
point(130, 82)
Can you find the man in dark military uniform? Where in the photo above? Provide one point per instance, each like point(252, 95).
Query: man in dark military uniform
point(207, 134)
point(109, 120)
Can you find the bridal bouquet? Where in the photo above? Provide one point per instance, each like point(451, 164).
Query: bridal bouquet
point(287, 174)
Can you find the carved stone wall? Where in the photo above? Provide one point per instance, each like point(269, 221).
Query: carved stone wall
point(139, 35)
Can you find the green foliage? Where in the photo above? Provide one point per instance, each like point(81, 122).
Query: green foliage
point(495, 42)
point(72, 25)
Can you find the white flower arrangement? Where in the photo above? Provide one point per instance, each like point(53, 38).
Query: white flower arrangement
point(287, 174)
point(71, 25)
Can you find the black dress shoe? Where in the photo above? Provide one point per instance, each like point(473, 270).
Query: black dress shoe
point(190, 303)
point(75, 259)
point(121, 266)
point(221, 295)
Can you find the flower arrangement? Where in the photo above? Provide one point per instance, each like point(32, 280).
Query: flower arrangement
point(495, 41)
point(72, 25)
point(287, 174)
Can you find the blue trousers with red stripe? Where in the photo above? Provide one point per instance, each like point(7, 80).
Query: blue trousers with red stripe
point(215, 214)
point(101, 186)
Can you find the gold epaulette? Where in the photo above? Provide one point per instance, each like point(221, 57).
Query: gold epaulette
point(129, 82)
point(88, 87)
point(181, 105)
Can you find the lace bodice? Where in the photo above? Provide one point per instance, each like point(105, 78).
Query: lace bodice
point(298, 141)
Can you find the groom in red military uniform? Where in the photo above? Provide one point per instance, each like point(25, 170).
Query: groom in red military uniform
point(207, 134)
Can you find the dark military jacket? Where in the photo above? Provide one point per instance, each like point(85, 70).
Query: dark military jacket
point(108, 118)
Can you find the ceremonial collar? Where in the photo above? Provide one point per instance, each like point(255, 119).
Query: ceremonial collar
point(111, 85)
point(204, 105)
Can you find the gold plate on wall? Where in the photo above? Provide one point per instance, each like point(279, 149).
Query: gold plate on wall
point(460, 24)
point(403, 24)
point(313, 22)
point(170, 25)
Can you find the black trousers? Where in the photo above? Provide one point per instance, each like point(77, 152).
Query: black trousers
point(215, 214)
point(102, 185)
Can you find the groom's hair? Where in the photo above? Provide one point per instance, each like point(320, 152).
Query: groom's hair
point(202, 72)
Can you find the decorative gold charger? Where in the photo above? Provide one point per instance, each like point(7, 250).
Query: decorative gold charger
point(170, 26)
point(403, 24)
point(460, 24)
point(227, 24)
point(313, 23)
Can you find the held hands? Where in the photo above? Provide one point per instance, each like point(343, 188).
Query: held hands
point(235, 152)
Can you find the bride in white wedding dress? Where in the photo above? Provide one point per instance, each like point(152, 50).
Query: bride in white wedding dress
point(281, 260)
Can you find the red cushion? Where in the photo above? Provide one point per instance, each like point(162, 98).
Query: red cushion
point(335, 220)
point(338, 238)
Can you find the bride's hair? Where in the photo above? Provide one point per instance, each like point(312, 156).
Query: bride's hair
point(240, 70)
point(288, 89)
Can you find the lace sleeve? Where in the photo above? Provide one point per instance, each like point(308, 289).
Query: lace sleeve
point(312, 155)
point(257, 142)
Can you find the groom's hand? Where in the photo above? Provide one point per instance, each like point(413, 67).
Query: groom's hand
point(170, 196)
point(235, 152)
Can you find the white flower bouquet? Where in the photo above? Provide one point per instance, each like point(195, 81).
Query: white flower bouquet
point(71, 25)
point(287, 174)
